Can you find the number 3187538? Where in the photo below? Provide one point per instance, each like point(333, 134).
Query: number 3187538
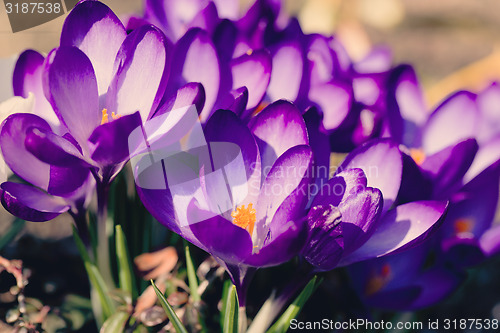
point(33, 8)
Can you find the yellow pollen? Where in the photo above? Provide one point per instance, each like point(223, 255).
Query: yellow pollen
point(244, 218)
point(463, 225)
point(378, 281)
point(249, 52)
point(105, 117)
point(418, 155)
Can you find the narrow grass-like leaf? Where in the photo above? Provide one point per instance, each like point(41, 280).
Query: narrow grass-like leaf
point(192, 279)
point(125, 274)
point(282, 324)
point(231, 312)
point(115, 323)
point(95, 278)
point(225, 291)
point(16, 227)
point(176, 322)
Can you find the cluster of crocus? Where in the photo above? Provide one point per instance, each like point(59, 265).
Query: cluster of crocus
point(279, 101)
point(452, 154)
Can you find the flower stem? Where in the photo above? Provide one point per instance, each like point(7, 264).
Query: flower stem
point(274, 305)
point(103, 255)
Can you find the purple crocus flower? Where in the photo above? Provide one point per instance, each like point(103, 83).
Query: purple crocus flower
point(441, 163)
point(263, 223)
point(352, 218)
point(97, 68)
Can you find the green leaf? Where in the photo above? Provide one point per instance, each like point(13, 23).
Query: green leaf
point(192, 279)
point(125, 274)
point(95, 278)
point(16, 227)
point(115, 323)
point(176, 322)
point(225, 291)
point(231, 312)
point(282, 324)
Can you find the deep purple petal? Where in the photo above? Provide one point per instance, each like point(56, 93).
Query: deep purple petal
point(325, 243)
point(340, 186)
point(448, 166)
point(320, 145)
point(223, 239)
point(360, 216)
point(280, 249)
point(284, 191)
point(96, 30)
point(30, 203)
point(278, 127)
point(15, 154)
point(407, 112)
point(456, 119)
point(235, 100)
point(109, 142)
point(488, 154)
point(140, 73)
point(72, 91)
point(254, 72)
point(405, 224)
point(382, 164)
point(53, 149)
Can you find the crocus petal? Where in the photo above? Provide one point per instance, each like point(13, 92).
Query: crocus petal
point(320, 59)
point(334, 100)
point(195, 60)
point(325, 243)
point(320, 145)
point(17, 157)
point(223, 239)
point(448, 166)
point(489, 241)
point(382, 163)
point(456, 119)
point(191, 94)
point(30, 203)
point(73, 91)
point(93, 28)
point(140, 74)
point(53, 149)
point(225, 126)
point(287, 181)
point(278, 127)
point(285, 83)
point(236, 101)
point(254, 72)
point(407, 112)
point(27, 78)
point(404, 225)
point(487, 154)
point(488, 102)
point(109, 142)
point(473, 206)
point(342, 185)
point(378, 60)
point(206, 19)
point(360, 214)
point(281, 248)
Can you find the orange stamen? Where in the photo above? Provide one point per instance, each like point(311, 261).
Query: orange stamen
point(378, 281)
point(104, 118)
point(463, 225)
point(418, 155)
point(244, 217)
